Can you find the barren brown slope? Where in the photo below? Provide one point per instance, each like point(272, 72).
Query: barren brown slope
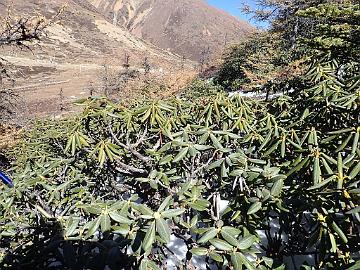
point(74, 53)
point(186, 27)
point(85, 35)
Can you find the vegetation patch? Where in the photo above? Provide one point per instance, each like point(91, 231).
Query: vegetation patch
point(238, 183)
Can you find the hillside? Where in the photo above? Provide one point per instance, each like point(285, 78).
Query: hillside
point(84, 34)
point(75, 51)
point(186, 27)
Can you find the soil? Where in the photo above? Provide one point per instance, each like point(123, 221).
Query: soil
point(49, 88)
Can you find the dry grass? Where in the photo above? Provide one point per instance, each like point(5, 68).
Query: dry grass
point(9, 136)
point(170, 85)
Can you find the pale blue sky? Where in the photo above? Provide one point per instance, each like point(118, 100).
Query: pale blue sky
point(234, 7)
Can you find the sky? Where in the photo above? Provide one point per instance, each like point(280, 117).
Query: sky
point(234, 8)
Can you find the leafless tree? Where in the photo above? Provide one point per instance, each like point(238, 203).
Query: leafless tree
point(146, 65)
point(204, 58)
point(105, 78)
point(113, 81)
point(183, 59)
point(61, 97)
point(22, 33)
point(126, 63)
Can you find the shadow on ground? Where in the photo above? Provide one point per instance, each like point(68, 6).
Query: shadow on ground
point(46, 248)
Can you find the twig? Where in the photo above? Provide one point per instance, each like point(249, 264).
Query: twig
point(141, 139)
point(129, 148)
point(124, 168)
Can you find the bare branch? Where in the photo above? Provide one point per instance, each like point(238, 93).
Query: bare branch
point(128, 169)
point(129, 148)
point(22, 31)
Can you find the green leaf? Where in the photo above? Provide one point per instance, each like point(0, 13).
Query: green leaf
point(210, 234)
point(297, 146)
point(339, 232)
point(149, 237)
point(246, 262)
point(101, 156)
point(349, 158)
point(247, 242)
point(268, 261)
point(342, 131)
point(257, 161)
point(43, 212)
point(216, 142)
point(277, 188)
point(144, 264)
point(163, 229)
point(220, 244)
point(333, 243)
point(93, 210)
point(326, 165)
point(234, 232)
point(340, 171)
point(172, 213)
point(122, 229)
point(272, 149)
point(109, 153)
point(164, 204)
point(355, 171)
point(165, 160)
point(229, 238)
point(316, 171)
point(165, 148)
point(298, 167)
point(236, 261)
point(105, 222)
point(181, 155)
point(254, 208)
point(152, 266)
point(354, 211)
point(283, 148)
point(329, 159)
point(93, 227)
point(323, 183)
point(72, 224)
point(266, 141)
point(224, 171)
point(119, 218)
point(215, 164)
point(143, 209)
point(356, 141)
point(71, 143)
point(216, 257)
point(202, 147)
point(199, 205)
point(199, 251)
point(344, 144)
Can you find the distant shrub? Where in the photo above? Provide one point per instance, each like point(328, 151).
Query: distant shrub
point(201, 88)
point(251, 63)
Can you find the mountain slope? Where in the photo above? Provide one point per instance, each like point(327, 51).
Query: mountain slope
point(84, 33)
point(76, 52)
point(190, 28)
